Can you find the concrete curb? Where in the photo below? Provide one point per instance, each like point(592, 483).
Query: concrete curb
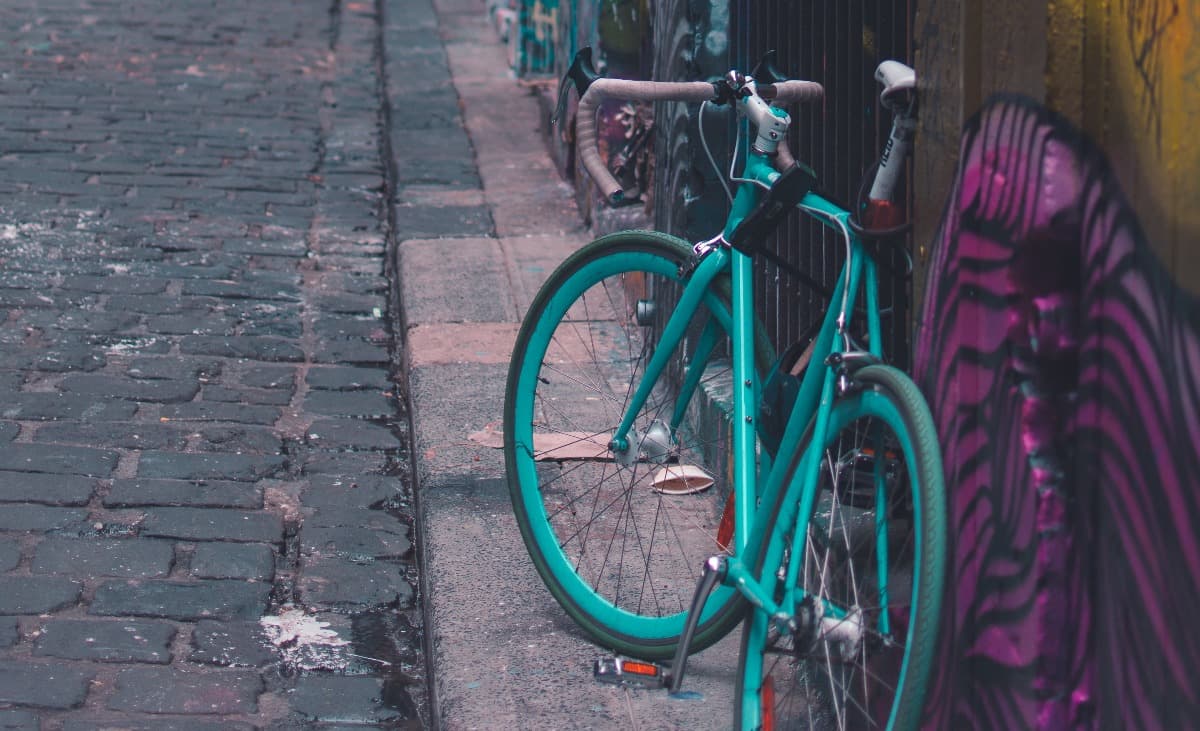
point(503, 654)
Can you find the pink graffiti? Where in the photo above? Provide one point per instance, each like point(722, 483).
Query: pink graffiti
point(1063, 367)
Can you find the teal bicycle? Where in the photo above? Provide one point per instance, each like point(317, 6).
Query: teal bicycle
point(664, 500)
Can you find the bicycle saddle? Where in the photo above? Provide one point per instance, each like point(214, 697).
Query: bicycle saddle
point(896, 79)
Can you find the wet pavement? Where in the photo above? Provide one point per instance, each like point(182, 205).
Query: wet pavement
point(206, 518)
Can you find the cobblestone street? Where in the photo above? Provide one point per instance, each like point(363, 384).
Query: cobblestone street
point(206, 517)
point(263, 266)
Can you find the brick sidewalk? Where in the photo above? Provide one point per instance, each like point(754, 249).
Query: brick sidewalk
point(204, 510)
point(503, 652)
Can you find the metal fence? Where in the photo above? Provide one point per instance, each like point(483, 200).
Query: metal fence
point(838, 43)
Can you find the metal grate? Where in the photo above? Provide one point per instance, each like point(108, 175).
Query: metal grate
point(838, 44)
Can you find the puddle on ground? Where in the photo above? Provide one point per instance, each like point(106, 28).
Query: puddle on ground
point(387, 639)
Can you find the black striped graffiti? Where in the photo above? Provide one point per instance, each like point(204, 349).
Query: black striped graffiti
point(1063, 367)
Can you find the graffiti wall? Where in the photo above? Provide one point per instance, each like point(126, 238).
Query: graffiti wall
point(1059, 344)
point(1129, 72)
point(1063, 366)
point(545, 38)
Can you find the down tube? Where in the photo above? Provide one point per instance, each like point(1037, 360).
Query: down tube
point(808, 401)
point(745, 400)
point(694, 291)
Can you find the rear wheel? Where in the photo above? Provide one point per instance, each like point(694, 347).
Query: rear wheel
point(620, 538)
point(872, 565)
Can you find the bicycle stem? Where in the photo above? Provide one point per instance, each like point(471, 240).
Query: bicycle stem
point(770, 123)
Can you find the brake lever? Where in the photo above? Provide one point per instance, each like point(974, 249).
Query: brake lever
point(766, 72)
point(582, 73)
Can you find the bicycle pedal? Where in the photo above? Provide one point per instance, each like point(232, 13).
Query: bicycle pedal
point(629, 673)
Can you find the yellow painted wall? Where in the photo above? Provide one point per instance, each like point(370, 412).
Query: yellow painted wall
point(1141, 103)
point(1126, 71)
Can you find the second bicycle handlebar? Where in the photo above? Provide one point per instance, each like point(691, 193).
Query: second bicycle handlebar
point(684, 91)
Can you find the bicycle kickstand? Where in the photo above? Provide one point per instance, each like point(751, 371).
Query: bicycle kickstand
point(714, 571)
point(639, 674)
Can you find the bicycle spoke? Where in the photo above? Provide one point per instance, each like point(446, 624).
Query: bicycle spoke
point(585, 531)
point(577, 381)
point(848, 698)
point(621, 496)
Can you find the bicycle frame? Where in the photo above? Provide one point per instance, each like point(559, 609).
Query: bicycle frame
point(816, 395)
point(785, 501)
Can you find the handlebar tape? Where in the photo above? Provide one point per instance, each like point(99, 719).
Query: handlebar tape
point(793, 90)
point(683, 91)
point(602, 89)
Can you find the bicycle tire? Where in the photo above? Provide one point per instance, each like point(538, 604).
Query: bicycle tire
point(630, 601)
point(813, 664)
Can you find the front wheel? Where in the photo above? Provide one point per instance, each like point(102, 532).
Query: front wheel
point(620, 539)
point(871, 568)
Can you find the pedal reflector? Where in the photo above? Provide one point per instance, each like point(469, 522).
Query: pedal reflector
point(640, 668)
point(633, 673)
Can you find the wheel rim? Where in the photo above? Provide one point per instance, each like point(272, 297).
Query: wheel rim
point(627, 555)
point(847, 668)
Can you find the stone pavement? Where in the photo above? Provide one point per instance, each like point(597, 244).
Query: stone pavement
point(210, 214)
point(504, 655)
point(205, 511)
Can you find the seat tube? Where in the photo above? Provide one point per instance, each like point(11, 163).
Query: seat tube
point(745, 378)
point(745, 398)
point(871, 292)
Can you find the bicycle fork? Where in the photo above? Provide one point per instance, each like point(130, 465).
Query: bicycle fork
point(625, 443)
